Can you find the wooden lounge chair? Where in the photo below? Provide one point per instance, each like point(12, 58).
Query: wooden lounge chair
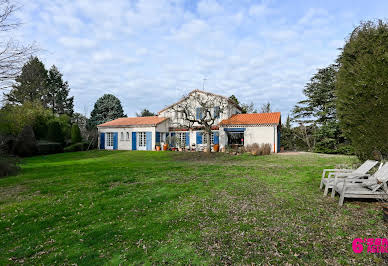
point(360, 172)
point(375, 187)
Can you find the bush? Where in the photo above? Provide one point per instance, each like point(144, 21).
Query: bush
point(25, 143)
point(256, 149)
point(55, 131)
point(48, 147)
point(75, 134)
point(80, 146)
point(8, 166)
point(362, 91)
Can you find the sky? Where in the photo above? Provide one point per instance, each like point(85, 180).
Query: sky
point(149, 53)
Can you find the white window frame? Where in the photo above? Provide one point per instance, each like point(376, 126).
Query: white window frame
point(122, 136)
point(181, 137)
point(141, 140)
point(109, 140)
point(204, 139)
point(127, 133)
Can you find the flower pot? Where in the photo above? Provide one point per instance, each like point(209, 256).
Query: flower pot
point(158, 148)
point(165, 147)
point(216, 147)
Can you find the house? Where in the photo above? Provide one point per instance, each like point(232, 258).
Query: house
point(179, 126)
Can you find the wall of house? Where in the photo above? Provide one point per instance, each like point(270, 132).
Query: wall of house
point(255, 134)
point(127, 144)
point(176, 118)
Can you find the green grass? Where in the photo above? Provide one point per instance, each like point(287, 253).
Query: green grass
point(122, 207)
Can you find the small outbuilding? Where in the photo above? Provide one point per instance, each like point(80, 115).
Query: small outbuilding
point(247, 129)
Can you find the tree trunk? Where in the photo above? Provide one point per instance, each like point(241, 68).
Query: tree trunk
point(208, 144)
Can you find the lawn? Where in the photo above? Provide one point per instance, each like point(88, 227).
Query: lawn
point(112, 207)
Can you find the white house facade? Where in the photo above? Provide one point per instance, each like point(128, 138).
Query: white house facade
point(172, 126)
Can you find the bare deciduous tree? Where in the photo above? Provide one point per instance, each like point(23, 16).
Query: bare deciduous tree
point(12, 53)
point(200, 111)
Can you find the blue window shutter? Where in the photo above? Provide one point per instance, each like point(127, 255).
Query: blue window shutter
point(187, 138)
point(199, 137)
point(134, 141)
point(115, 140)
point(157, 138)
point(102, 141)
point(216, 138)
point(149, 141)
point(197, 112)
point(279, 137)
point(216, 112)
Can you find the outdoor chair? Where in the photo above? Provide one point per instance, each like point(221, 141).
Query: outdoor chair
point(375, 187)
point(360, 172)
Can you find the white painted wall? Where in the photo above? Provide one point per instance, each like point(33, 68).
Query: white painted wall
point(254, 134)
point(125, 144)
point(176, 119)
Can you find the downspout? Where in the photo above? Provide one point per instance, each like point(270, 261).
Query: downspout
point(274, 138)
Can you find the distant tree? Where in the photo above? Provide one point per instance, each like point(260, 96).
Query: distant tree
point(31, 84)
point(12, 54)
point(234, 99)
point(55, 132)
point(81, 121)
point(145, 112)
point(266, 108)
point(287, 136)
point(107, 108)
point(57, 95)
point(75, 134)
point(248, 108)
point(362, 89)
point(320, 103)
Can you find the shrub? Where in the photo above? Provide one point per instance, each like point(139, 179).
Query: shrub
point(8, 166)
point(256, 149)
point(25, 143)
point(75, 134)
point(55, 132)
point(80, 146)
point(47, 147)
point(267, 149)
point(13, 118)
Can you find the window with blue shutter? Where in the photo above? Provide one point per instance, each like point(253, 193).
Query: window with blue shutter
point(115, 140)
point(187, 138)
point(216, 112)
point(216, 139)
point(102, 141)
point(157, 138)
point(134, 141)
point(199, 137)
point(149, 141)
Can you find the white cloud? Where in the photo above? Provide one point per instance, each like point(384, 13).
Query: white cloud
point(150, 52)
point(77, 42)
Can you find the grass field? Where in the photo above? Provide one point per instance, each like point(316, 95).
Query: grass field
point(105, 207)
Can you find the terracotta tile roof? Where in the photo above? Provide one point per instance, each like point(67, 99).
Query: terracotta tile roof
point(252, 119)
point(205, 92)
point(134, 121)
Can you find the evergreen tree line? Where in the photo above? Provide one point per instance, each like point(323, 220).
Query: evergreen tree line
point(346, 104)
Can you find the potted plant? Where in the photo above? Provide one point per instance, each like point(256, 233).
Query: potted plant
point(157, 146)
point(216, 147)
point(165, 146)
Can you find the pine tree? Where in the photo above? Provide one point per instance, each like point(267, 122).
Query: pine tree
point(57, 96)
point(362, 89)
point(31, 84)
point(107, 108)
